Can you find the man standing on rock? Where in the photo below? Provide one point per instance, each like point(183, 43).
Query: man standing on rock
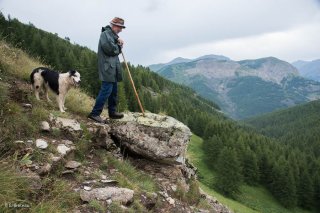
point(110, 72)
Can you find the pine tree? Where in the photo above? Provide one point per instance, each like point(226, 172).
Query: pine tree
point(283, 185)
point(305, 190)
point(250, 167)
point(317, 190)
point(265, 167)
point(229, 177)
point(122, 100)
point(212, 148)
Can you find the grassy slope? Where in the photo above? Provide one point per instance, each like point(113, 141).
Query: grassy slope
point(17, 63)
point(17, 124)
point(15, 67)
point(252, 199)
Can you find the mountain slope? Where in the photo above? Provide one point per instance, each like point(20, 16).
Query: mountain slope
point(297, 126)
point(309, 69)
point(255, 198)
point(245, 88)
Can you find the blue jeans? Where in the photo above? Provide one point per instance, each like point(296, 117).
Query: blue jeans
point(108, 90)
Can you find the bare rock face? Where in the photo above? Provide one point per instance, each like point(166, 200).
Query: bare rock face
point(157, 137)
point(69, 126)
point(122, 195)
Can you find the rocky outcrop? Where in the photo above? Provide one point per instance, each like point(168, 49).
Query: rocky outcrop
point(122, 195)
point(157, 137)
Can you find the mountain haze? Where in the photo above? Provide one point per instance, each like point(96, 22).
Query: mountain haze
point(244, 88)
point(309, 69)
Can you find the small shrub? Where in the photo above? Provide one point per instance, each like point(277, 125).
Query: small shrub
point(193, 195)
point(83, 145)
point(203, 204)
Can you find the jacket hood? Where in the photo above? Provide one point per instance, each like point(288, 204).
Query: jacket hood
point(105, 28)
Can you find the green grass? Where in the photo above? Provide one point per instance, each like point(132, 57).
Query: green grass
point(97, 206)
point(196, 155)
point(260, 198)
point(16, 63)
point(129, 176)
point(55, 196)
point(235, 206)
point(251, 199)
point(13, 187)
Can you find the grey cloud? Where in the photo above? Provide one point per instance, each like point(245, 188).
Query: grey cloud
point(158, 26)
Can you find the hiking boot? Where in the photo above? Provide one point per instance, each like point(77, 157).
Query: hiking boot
point(96, 118)
point(116, 115)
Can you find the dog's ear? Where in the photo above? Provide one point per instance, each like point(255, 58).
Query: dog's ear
point(72, 73)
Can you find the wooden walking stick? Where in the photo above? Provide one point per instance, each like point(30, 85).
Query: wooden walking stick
point(134, 88)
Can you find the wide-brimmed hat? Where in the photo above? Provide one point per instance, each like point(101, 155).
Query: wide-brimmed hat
point(118, 22)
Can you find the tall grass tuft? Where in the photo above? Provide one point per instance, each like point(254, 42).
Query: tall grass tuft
point(16, 62)
point(129, 176)
point(58, 196)
point(13, 187)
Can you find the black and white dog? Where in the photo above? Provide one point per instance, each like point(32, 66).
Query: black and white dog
point(59, 83)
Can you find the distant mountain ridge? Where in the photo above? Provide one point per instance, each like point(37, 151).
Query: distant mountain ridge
point(309, 69)
point(156, 67)
point(243, 88)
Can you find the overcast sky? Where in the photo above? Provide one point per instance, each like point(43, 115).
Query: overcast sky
point(160, 30)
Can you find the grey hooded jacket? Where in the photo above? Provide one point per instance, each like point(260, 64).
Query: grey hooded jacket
point(108, 61)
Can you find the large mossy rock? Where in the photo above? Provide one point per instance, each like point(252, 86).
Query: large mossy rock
point(157, 137)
